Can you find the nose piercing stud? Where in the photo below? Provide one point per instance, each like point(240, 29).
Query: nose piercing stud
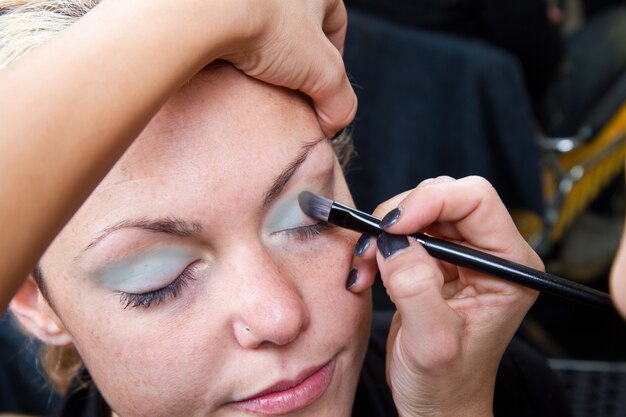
point(247, 328)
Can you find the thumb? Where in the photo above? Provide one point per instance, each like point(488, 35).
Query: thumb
point(334, 100)
point(430, 329)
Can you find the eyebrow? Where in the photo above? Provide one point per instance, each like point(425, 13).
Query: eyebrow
point(181, 228)
point(169, 225)
point(283, 178)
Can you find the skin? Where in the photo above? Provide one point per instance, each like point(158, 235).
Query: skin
point(110, 82)
point(210, 163)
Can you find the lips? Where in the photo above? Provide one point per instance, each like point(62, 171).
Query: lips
point(290, 395)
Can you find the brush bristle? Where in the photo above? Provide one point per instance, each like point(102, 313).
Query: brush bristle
point(314, 205)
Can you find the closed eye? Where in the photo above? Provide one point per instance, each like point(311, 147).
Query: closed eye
point(156, 297)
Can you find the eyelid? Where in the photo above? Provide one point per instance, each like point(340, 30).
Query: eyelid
point(155, 297)
point(145, 271)
point(285, 215)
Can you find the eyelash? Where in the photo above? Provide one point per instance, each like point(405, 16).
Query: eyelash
point(170, 291)
point(306, 232)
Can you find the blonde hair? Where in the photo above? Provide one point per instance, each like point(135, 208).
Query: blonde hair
point(24, 25)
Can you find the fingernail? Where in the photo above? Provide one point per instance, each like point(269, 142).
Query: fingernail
point(390, 218)
point(362, 244)
point(351, 278)
point(389, 244)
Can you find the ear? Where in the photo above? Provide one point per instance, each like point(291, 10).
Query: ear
point(36, 316)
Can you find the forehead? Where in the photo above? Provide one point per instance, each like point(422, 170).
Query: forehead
point(220, 138)
point(220, 118)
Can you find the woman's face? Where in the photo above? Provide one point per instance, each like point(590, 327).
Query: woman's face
point(190, 281)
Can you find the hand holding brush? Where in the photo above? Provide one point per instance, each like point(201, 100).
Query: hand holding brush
point(463, 256)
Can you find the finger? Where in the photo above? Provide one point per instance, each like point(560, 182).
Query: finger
point(383, 208)
point(336, 23)
point(334, 100)
point(436, 180)
point(446, 231)
point(308, 62)
point(364, 262)
point(472, 205)
point(442, 230)
point(414, 283)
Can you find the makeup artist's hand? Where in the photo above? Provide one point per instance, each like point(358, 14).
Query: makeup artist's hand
point(452, 325)
point(294, 44)
point(298, 44)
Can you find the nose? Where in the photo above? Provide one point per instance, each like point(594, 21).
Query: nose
point(271, 309)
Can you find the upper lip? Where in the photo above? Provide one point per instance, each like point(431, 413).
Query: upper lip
point(286, 384)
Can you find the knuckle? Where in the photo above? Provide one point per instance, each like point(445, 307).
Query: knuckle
point(435, 180)
point(479, 182)
point(484, 188)
point(413, 281)
point(332, 74)
point(337, 69)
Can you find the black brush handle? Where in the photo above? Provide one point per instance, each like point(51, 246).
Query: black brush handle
point(528, 277)
point(480, 261)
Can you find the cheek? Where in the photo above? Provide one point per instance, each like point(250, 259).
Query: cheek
point(146, 364)
point(340, 317)
point(321, 276)
point(321, 263)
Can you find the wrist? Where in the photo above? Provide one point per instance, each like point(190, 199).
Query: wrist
point(452, 402)
point(467, 410)
point(215, 29)
point(188, 34)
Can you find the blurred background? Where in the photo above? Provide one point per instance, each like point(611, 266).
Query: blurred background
point(530, 94)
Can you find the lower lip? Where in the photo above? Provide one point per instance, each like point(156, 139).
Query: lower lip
point(292, 399)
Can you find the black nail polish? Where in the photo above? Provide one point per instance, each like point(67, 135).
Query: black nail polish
point(351, 278)
point(390, 218)
point(362, 244)
point(389, 244)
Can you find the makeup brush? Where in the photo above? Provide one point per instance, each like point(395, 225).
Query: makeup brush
point(340, 215)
